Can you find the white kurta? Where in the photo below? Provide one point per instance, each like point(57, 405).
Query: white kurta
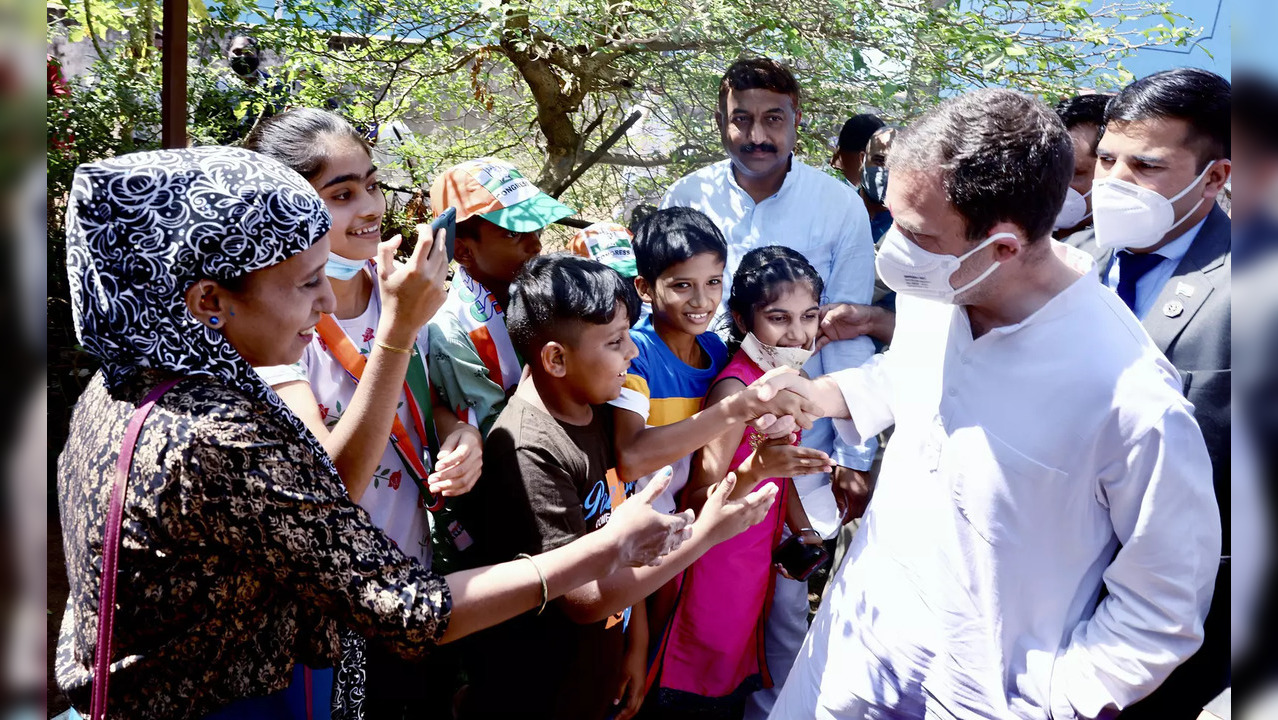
point(1021, 461)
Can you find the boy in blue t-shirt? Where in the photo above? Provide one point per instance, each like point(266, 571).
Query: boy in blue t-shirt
point(680, 256)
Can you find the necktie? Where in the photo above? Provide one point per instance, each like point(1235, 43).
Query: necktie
point(1132, 267)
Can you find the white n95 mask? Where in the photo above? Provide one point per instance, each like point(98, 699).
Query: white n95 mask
point(910, 270)
point(1074, 211)
point(1132, 217)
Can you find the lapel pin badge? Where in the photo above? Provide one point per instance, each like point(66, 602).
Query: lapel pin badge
point(1184, 289)
point(1173, 308)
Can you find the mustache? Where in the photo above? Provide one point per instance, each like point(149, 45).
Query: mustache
point(754, 147)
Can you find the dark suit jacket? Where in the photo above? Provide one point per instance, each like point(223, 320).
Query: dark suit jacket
point(1194, 334)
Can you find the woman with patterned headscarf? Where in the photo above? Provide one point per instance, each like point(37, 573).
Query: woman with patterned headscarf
point(240, 553)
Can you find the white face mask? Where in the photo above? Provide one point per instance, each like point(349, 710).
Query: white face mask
point(342, 268)
point(1074, 211)
point(1132, 217)
point(768, 357)
point(910, 270)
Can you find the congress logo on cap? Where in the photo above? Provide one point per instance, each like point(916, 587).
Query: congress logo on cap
point(608, 243)
point(496, 191)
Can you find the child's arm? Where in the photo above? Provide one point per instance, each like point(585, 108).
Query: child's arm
point(776, 457)
point(796, 518)
point(634, 671)
point(460, 376)
point(714, 460)
point(641, 450)
point(358, 440)
point(461, 453)
point(720, 519)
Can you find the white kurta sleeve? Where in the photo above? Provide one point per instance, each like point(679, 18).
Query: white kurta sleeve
point(851, 280)
point(867, 390)
point(1164, 512)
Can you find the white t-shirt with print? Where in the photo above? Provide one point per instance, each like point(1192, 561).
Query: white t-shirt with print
point(391, 499)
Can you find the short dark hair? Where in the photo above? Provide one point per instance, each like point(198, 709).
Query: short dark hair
point(469, 228)
point(642, 212)
point(554, 294)
point(857, 131)
point(672, 236)
point(1083, 110)
point(1003, 156)
point(296, 138)
point(758, 74)
point(1196, 96)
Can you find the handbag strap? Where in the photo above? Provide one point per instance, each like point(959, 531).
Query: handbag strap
point(111, 549)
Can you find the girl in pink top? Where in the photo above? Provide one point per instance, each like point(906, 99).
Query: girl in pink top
point(711, 656)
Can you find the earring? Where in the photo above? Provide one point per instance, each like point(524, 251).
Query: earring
point(213, 320)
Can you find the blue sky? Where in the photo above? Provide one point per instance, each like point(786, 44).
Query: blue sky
point(1210, 51)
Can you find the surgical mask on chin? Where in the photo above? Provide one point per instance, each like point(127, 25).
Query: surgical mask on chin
point(874, 180)
point(768, 357)
point(910, 270)
point(1074, 211)
point(341, 268)
point(1128, 216)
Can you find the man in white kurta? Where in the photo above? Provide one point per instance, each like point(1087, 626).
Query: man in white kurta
point(1042, 448)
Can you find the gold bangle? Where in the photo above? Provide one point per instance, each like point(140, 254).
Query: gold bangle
point(392, 348)
point(545, 591)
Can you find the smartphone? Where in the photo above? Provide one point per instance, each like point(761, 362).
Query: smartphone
point(799, 559)
point(447, 221)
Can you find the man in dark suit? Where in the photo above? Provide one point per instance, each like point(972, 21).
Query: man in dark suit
point(1163, 245)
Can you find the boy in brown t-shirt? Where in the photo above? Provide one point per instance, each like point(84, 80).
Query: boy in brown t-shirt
point(548, 480)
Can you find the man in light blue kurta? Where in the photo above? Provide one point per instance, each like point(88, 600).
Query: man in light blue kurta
point(762, 195)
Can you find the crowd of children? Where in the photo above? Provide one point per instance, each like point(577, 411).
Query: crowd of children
point(530, 395)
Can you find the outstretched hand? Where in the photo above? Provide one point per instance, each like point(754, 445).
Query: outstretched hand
point(723, 517)
point(645, 534)
point(780, 458)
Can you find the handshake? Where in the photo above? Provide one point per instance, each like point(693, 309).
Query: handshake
point(775, 405)
point(779, 403)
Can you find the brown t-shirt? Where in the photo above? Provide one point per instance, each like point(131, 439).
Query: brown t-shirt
point(545, 483)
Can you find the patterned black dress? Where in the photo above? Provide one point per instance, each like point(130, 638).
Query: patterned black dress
point(241, 555)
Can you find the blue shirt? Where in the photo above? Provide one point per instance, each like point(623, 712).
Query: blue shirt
point(879, 225)
point(663, 390)
point(1151, 283)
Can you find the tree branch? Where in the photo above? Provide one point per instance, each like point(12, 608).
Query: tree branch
point(637, 161)
point(93, 33)
point(593, 157)
point(659, 44)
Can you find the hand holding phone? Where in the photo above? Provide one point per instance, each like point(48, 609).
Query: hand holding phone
point(446, 221)
point(798, 558)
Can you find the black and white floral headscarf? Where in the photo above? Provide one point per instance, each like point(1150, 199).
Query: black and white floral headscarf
point(142, 228)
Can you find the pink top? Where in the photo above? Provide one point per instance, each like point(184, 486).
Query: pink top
point(711, 654)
